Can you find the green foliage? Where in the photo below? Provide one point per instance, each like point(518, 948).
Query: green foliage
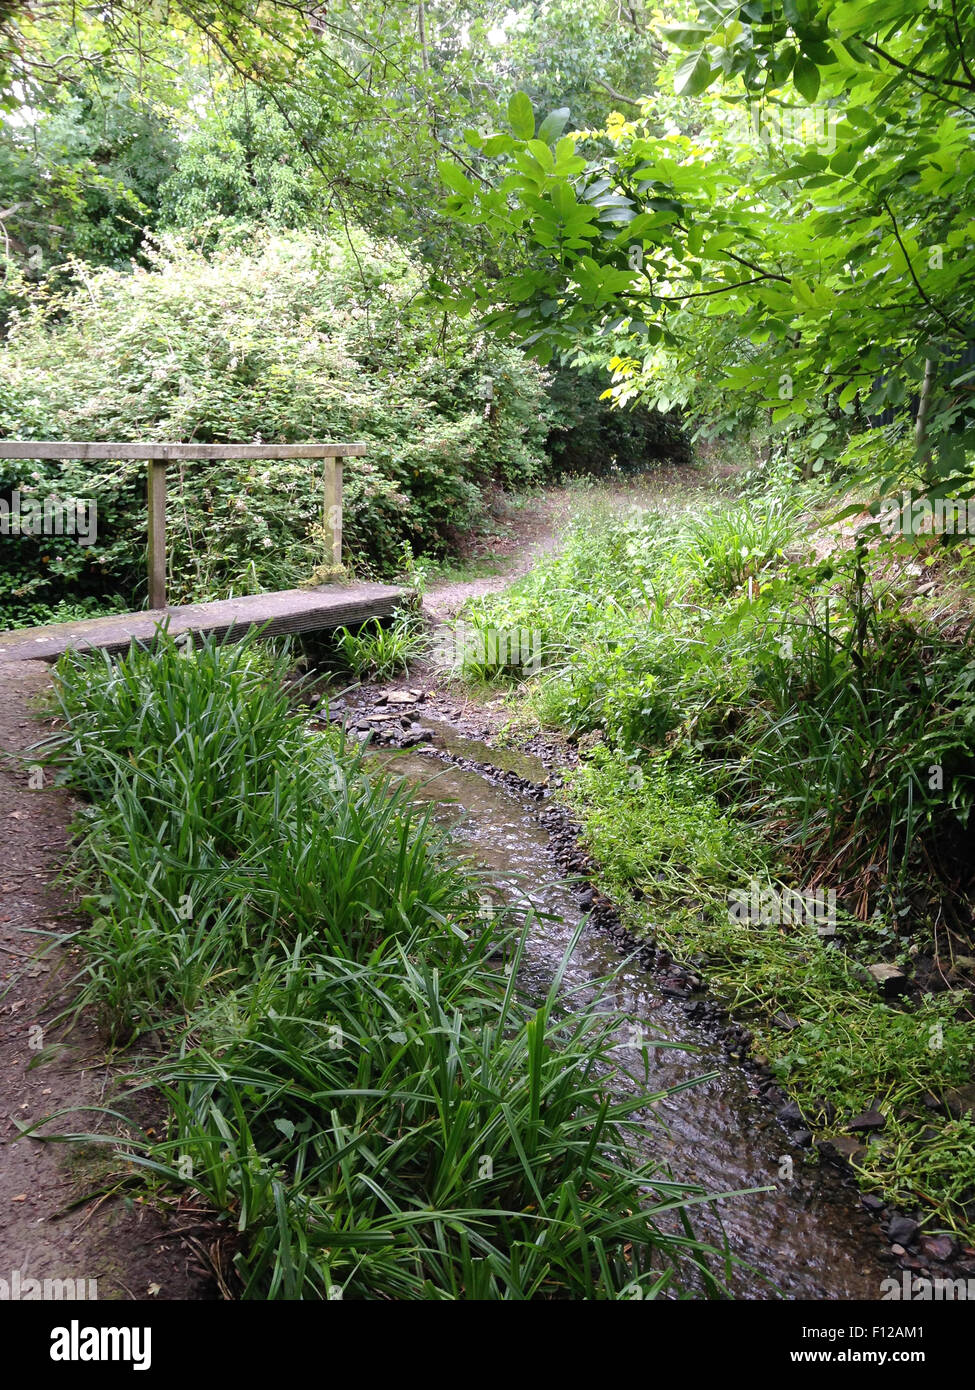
point(669, 851)
point(590, 436)
point(730, 546)
point(622, 611)
point(79, 181)
point(842, 722)
point(659, 829)
point(861, 723)
point(342, 1055)
point(382, 651)
point(815, 269)
point(241, 162)
point(345, 111)
point(292, 339)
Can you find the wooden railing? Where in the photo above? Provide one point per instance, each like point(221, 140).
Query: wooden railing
point(157, 456)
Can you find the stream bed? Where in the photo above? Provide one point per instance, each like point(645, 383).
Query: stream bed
point(808, 1237)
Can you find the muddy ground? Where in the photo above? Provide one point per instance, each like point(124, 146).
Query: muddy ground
point(56, 1221)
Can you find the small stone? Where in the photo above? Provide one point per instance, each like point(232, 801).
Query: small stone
point(902, 1230)
point(897, 1250)
point(871, 1202)
point(960, 1101)
point(867, 1120)
point(848, 1148)
point(782, 1020)
point(891, 980)
point(790, 1114)
point(938, 1247)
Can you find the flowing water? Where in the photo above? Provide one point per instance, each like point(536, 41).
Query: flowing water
point(806, 1238)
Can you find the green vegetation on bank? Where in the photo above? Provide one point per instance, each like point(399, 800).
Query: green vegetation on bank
point(283, 338)
point(352, 1078)
point(753, 719)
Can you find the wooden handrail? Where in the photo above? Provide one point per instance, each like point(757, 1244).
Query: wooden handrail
point(158, 455)
point(55, 449)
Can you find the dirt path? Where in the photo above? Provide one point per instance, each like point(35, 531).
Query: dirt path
point(526, 532)
point(123, 1247)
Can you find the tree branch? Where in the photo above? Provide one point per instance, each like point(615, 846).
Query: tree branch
point(961, 43)
point(920, 288)
point(617, 96)
point(916, 72)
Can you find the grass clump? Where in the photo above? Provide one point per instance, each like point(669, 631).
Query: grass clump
point(380, 651)
point(731, 545)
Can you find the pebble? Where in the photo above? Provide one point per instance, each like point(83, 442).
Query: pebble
point(938, 1247)
point(902, 1230)
point(867, 1120)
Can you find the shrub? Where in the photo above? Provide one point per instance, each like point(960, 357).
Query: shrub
point(290, 339)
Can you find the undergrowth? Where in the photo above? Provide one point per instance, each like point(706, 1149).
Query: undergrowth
point(750, 712)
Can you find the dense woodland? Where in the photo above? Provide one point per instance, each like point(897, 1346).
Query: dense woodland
point(515, 249)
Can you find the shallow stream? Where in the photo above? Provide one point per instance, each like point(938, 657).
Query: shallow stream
point(809, 1236)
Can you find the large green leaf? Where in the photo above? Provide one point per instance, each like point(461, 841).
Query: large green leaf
point(694, 75)
point(522, 116)
point(455, 180)
point(553, 125)
point(805, 75)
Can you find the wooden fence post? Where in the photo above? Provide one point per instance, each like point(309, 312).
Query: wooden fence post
point(333, 508)
point(157, 533)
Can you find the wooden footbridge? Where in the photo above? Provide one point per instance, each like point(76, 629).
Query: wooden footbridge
point(320, 608)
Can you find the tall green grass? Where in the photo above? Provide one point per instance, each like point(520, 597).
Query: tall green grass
point(379, 651)
point(836, 721)
point(352, 1080)
point(731, 545)
point(859, 742)
point(220, 828)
